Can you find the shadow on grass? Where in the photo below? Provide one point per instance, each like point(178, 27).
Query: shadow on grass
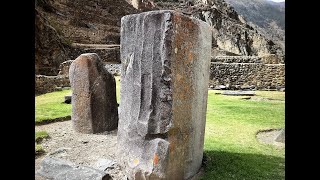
point(228, 165)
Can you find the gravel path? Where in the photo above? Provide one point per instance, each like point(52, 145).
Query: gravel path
point(82, 149)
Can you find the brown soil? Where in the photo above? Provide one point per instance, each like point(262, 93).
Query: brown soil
point(82, 149)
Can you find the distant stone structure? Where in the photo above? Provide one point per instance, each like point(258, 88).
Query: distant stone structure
point(64, 68)
point(94, 104)
point(46, 84)
point(239, 72)
point(107, 52)
point(165, 59)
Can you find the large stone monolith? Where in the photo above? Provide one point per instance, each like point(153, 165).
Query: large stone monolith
point(164, 87)
point(94, 104)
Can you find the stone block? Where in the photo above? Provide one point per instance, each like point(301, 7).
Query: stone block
point(165, 59)
point(94, 104)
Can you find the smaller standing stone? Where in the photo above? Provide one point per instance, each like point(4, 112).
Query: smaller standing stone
point(94, 104)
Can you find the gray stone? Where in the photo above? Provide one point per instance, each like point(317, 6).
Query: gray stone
point(103, 164)
point(64, 68)
point(114, 69)
point(164, 79)
point(51, 166)
point(281, 136)
point(83, 173)
point(58, 151)
point(58, 169)
point(247, 87)
point(239, 93)
point(94, 104)
point(58, 88)
point(220, 87)
point(67, 99)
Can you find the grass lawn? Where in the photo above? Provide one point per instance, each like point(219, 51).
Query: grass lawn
point(231, 149)
point(51, 106)
point(38, 138)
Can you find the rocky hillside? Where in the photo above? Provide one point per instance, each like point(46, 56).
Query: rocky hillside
point(59, 23)
point(231, 33)
point(265, 15)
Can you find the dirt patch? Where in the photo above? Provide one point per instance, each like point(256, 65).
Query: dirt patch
point(268, 137)
point(82, 149)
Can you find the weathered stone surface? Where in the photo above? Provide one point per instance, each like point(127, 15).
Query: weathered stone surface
point(237, 59)
point(256, 75)
point(58, 169)
point(50, 49)
point(164, 78)
point(67, 99)
point(114, 69)
point(46, 84)
point(230, 32)
point(64, 68)
point(281, 136)
point(271, 59)
point(94, 105)
point(107, 53)
point(239, 93)
point(103, 164)
point(220, 87)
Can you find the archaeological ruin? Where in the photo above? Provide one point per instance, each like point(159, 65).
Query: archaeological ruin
point(165, 59)
point(167, 54)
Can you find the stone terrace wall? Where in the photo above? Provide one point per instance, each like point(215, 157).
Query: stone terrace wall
point(238, 72)
point(45, 84)
point(108, 53)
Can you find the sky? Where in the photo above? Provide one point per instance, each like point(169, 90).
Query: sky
point(278, 0)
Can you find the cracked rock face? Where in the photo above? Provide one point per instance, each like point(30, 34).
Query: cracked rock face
point(94, 104)
point(164, 77)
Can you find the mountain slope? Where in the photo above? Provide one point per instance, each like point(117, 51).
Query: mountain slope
point(59, 23)
point(231, 33)
point(268, 16)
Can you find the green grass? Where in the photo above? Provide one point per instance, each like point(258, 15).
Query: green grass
point(51, 107)
point(277, 95)
point(117, 88)
point(40, 135)
point(231, 148)
point(39, 149)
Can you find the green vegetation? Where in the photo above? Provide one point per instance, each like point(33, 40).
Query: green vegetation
point(40, 135)
point(231, 149)
point(51, 107)
point(117, 78)
point(38, 149)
